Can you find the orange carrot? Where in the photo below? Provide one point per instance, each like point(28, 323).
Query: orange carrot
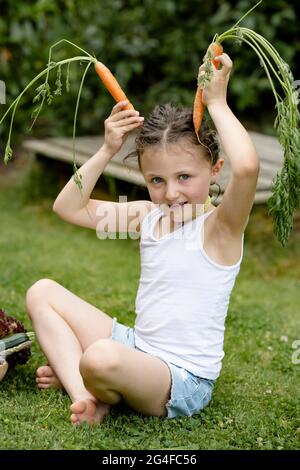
point(111, 84)
point(198, 110)
point(215, 50)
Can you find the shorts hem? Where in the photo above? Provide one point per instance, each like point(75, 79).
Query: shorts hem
point(114, 321)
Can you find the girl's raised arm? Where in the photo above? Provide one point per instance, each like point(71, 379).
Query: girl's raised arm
point(233, 212)
point(76, 206)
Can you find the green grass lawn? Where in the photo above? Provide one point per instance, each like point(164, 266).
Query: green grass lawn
point(256, 399)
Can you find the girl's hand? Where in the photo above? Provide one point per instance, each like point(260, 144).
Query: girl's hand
point(215, 91)
point(117, 126)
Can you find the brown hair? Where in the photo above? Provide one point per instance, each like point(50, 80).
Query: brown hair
point(167, 124)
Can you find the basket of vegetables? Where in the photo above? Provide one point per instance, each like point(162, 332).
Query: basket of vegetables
point(15, 343)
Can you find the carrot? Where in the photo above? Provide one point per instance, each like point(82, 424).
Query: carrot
point(198, 111)
point(214, 50)
point(285, 197)
point(111, 84)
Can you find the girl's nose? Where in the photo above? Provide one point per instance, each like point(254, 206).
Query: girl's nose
point(171, 192)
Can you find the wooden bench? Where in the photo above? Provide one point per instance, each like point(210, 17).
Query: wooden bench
point(268, 148)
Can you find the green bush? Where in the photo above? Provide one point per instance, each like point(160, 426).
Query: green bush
point(153, 48)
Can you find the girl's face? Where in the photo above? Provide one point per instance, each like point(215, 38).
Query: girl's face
point(178, 177)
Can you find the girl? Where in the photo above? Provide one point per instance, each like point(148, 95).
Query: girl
point(190, 256)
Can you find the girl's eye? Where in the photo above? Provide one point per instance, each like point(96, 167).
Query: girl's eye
point(156, 180)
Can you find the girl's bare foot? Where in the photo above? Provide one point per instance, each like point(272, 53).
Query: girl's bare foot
point(46, 378)
point(89, 411)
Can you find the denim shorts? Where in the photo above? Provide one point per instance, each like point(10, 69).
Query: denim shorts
point(189, 393)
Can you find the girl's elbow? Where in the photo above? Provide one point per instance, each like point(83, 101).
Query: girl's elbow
point(55, 207)
point(251, 168)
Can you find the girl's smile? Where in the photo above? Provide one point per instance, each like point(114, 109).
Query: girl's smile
point(178, 179)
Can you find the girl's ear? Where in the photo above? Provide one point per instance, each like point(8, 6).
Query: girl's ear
point(218, 167)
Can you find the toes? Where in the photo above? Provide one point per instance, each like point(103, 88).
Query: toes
point(43, 386)
point(44, 371)
point(43, 380)
point(78, 407)
point(87, 410)
point(46, 376)
point(74, 419)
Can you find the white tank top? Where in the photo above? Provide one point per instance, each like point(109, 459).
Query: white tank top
point(183, 297)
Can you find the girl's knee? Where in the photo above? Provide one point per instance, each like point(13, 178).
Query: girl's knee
point(37, 293)
point(100, 360)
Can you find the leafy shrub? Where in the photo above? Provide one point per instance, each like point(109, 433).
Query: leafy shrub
point(154, 49)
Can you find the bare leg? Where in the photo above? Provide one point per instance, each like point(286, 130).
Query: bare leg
point(66, 326)
point(113, 371)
